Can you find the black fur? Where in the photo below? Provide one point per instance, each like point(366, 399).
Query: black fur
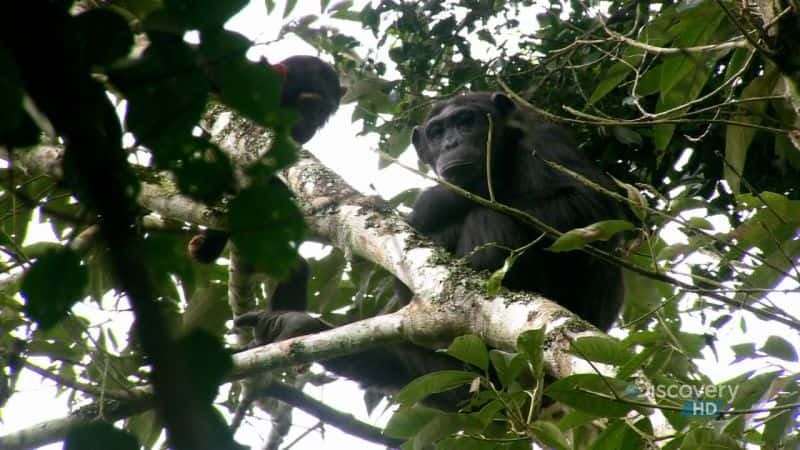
point(520, 178)
point(311, 88)
point(453, 141)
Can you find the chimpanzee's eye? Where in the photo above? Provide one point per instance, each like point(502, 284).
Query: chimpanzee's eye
point(434, 131)
point(465, 119)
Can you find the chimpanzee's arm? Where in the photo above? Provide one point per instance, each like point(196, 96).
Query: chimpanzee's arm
point(387, 368)
point(291, 293)
point(439, 214)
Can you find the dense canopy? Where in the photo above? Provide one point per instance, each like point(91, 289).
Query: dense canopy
point(128, 124)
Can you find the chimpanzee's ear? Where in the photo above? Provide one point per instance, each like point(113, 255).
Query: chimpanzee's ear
point(416, 138)
point(503, 104)
point(419, 145)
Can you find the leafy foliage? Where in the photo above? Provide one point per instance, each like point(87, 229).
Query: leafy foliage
point(691, 105)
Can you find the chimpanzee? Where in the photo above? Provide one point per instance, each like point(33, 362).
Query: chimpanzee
point(453, 141)
point(310, 87)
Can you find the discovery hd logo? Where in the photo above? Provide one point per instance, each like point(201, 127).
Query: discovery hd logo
point(701, 408)
point(696, 400)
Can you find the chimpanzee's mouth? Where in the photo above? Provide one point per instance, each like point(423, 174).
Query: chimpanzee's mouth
point(460, 172)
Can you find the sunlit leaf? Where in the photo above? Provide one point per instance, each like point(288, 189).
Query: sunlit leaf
point(780, 348)
point(470, 349)
point(433, 383)
point(600, 231)
point(52, 285)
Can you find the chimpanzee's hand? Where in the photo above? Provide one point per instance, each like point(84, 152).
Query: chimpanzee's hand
point(275, 326)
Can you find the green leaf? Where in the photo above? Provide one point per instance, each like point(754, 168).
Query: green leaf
point(773, 213)
point(203, 14)
point(289, 7)
point(491, 411)
point(531, 343)
point(433, 383)
point(574, 419)
point(617, 73)
point(743, 351)
point(146, 427)
point(253, 89)
point(602, 349)
point(780, 423)
point(208, 309)
point(780, 348)
point(627, 136)
point(736, 62)
point(700, 222)
point(471, 350)
point(55, 350)
point(638, 203)
point(752, 390)
point(168, 69)
point(202, 170)
point(370, 18)
point(577, 238)
point(99, 436)
point(737, 138)
point(684, 76)
point(207, 359)
point(325, 283)
point(650, 82)
point(495, 283)
point(708, 439)
point(345, 14)
point(267, 227)
point(443, 426)
point(635, 363)
point(105, 36)
point(590, 393)
point(781, 258)
point(406, 422)
point(486, 36)
point(398, 142)
point(406, 198)
point(619, 434)
point(16, 224)
point(372, 96)
point(52, 285)
point(507, 365)
point(548, 434)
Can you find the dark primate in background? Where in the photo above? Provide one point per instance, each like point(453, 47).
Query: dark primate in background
point(311, 88)
point(453, 141)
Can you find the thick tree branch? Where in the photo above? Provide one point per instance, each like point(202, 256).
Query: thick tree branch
point(157, 193)
point(449, 300)
point(365, 226)
point(56, 430)
point(141, 400)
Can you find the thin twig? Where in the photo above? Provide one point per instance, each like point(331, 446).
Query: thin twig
point(741, 43)
point(767, 52)
point(602, 255)
point(489, 158)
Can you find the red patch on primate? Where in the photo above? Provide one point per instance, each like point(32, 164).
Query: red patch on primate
point(281, 69)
